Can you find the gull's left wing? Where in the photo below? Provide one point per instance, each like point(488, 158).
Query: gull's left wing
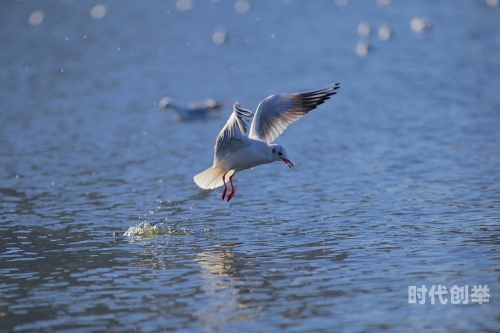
point(276, 112)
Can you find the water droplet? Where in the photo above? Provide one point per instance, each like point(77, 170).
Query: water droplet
point(364, 29)
point(384, 32)
point(242, 6)
point(183, 5)
point(36, 18)
point(362, 48)
point(98, 12)
point(219, 35)
point(419, 24)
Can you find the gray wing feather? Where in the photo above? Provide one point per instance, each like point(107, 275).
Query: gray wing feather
point(276, 112)
point(232, 135)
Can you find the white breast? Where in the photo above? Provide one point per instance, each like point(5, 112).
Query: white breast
point(256, 153)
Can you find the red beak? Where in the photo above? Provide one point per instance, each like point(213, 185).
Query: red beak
point(287, 162)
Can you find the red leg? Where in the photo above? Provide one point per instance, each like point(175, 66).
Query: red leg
point(232, 188)
point(225, 187)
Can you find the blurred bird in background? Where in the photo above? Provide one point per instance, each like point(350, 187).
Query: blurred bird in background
point(193, 110)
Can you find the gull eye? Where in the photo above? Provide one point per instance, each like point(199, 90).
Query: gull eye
point(280, 153)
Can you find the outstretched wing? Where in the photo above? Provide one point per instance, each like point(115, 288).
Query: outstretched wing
point(276, 112)
point(232, 136)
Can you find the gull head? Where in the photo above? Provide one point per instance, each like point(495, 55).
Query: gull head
point(279, 154)
point(164, 103)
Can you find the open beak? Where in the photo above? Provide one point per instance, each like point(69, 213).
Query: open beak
point(287, 162)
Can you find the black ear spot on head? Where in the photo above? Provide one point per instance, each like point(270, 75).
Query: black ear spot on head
point(274, 150)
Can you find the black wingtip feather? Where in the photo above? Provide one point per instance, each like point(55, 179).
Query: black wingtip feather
point(312, 99)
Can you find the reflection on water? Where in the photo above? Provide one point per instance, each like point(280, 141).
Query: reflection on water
point(236, 294)
point(224, 291)
point(395, 182)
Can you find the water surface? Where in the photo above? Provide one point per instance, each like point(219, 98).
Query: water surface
point(396, 178)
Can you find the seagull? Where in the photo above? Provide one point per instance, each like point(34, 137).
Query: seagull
point(192, 111)
point(236, 151)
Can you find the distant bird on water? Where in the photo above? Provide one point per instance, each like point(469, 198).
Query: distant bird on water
point(192, 111)
point(235, 151)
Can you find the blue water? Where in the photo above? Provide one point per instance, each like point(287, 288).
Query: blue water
point(396, 180)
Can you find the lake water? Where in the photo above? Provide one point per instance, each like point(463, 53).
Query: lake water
point(396, 180)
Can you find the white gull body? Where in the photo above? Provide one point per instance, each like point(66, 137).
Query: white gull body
point(235, 151)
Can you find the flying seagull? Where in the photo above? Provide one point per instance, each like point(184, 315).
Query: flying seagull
point(235, 151)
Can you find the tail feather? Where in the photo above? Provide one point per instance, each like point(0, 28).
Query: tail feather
point(210, 178)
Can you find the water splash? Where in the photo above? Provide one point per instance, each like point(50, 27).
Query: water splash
point(147, 230)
